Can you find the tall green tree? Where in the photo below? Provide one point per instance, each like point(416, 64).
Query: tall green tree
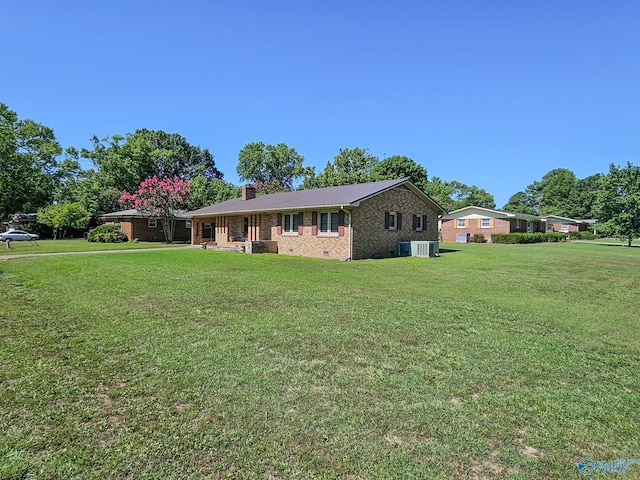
point(586, 189)
point(558, 190)
point(61, 216)
point(399, 166)
point(617, 203)
point(520, 202)
point(442, 192)
point(452, 195)
point(123, 162)
point(349, 166)
point(28, 163)
point(262, 163)
point(206, 192)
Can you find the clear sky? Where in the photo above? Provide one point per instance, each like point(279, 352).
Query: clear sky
point(491, 93)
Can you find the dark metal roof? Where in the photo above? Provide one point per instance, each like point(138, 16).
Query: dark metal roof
point(342, 196)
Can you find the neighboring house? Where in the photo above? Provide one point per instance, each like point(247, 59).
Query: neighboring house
point(345, 222)
point(17, 221)
point(565, 225)
point(146, 229)
point(462, 224)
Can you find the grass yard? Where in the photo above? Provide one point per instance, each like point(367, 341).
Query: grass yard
point(74, 245)
point(492, 361)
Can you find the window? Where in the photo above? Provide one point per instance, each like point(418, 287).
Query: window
point(485, 223)
point(393, 220)
point(290, 223)
point(207, 226)
point(419, 223)
point(152, 222)
point(462, 223)
point(245, 227)
point(329, 222)
point(187, 224)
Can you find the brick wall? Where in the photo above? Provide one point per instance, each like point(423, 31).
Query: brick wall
point(371, 239)
point(309, 245)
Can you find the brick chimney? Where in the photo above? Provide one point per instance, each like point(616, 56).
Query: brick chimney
point(248, 192)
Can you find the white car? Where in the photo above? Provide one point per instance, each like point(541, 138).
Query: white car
point(17, 235)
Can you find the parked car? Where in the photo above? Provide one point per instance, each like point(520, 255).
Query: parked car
point(17, 235)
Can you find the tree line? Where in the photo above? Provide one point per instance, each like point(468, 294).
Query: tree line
point(38, 174)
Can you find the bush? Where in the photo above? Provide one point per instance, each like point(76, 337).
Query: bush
point(524, 237)
point(556, 236)
point(478, 238)
point(582, 236)
point(107, 234)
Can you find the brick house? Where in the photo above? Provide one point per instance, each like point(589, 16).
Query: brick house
point(462, 224)
point(344, 222)
point(565, 225)
point(145, 229)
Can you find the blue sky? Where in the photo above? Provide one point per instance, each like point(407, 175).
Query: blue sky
point(491, 93)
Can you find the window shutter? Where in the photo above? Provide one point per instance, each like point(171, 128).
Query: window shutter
point(424, 223)
point(415, 221)
point(399, 220)
point(341, 223)
point(314, 223)
point(279, 224)
point(386, 220)
point(300, 223)
point(492, 222)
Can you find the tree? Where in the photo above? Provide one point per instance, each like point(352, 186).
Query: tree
point(350, 166)
point(258, 162)
point(124, 162)
point(454, 194)
point(28, 152)
point(586, 189)
point(61, 216)
point(558, 189)
point(160, 198)
point(520, 202)
point(617, 203)
point(206, 192)
point(441, 191)
point(399, 166)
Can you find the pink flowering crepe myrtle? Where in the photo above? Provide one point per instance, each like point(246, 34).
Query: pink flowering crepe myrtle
point(159, 198)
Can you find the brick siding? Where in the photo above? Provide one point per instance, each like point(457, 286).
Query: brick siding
point(372, 239)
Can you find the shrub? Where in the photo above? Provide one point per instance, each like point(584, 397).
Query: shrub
point(478, 238)
point(555, 236)
point(107, 234)
point(519, 238)
point(582, 236)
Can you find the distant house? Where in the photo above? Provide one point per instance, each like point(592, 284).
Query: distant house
point(19, 220)
point(565, 225)
point(462, 224)
point(145, 229)
point(344, 222)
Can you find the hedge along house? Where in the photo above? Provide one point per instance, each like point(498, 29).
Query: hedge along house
point(345, 222)
point(146, 229)
point(461, 225)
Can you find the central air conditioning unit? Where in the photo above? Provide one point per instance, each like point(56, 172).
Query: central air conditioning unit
point(425, 249)
point(404, 249)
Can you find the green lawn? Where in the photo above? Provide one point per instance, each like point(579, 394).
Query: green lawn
point(492, 361)
point(74, 245)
